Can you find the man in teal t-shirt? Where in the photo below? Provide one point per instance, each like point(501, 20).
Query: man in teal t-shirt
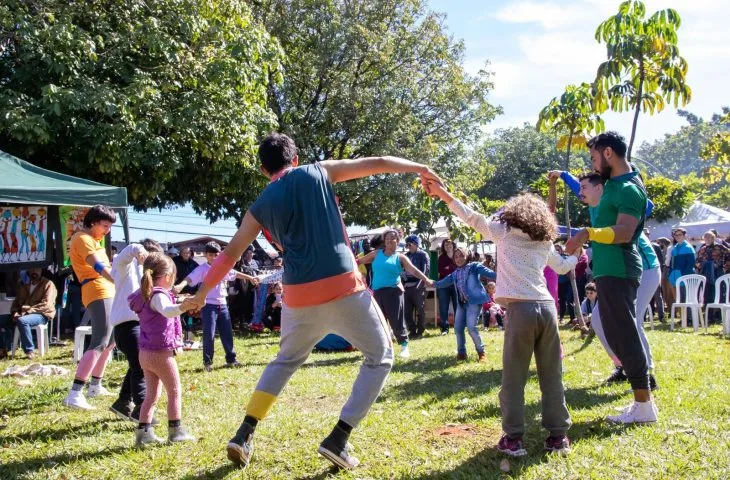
point(617, 266)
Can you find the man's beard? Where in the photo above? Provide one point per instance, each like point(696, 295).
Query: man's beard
point(604, 168)
point(34, 276)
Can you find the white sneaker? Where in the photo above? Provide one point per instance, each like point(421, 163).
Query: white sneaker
point(638, 412)
point(76, 399)
point(98, 391)
point(628, 407)
point(405, 352)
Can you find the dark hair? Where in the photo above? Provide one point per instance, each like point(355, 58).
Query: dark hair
point(276, 152)
point(591, 287)
point(684, 232)
point(151, 245)
point(594, 178)
point(393, 231)
point(442, 249)
point(376, 242)
point(212, 247)
point(98, 213)
point(530, 213)
point(609, 139)
point(464, 252)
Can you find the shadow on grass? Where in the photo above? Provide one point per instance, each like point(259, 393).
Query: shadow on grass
point(318, 361)
point(486, 463)
point(83, 430)
point(33, 401)
point(22, 468)
point(436, 376)
point(221, 472)
point(586, 342)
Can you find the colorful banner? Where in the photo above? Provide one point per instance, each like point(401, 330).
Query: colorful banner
point(72, 221)
point(23, 233)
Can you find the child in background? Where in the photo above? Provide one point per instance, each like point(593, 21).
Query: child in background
point(589, 303)
point(493, 312)
point(470, 295)
point(524, 231)
point(215, 310)
point(272, 315)
point(159, 338)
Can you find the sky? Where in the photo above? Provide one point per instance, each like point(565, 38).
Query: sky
point(535, 49)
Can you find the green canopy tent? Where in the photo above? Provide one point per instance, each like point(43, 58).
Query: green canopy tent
point(30, 192)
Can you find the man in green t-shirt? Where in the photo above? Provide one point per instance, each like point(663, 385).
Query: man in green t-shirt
point(616, 226)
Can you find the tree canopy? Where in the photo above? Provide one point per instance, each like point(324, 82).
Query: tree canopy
point(167, 98)
point(374, 78)
point(644, 69)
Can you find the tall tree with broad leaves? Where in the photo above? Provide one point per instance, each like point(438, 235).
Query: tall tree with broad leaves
point(374, 78)
point(644, 69)
point(167, 98)
point(572, 117)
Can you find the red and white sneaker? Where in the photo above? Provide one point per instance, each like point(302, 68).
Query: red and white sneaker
point(511, 447)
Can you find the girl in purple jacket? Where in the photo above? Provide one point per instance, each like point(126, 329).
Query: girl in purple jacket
point(159, 338)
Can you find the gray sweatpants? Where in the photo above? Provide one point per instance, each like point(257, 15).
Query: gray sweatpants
point(97, 316)
point(358, 320)
point(532, 326)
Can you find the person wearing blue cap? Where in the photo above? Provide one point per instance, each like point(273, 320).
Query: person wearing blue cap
point(414, 297)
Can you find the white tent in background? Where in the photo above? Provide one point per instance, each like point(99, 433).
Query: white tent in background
point(699, 218)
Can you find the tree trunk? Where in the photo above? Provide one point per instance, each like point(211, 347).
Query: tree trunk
point(573, 284)
point(638, 107)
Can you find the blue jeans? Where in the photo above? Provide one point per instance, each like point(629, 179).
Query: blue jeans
point(212, 315)
point(467, 316)
point(25, 323)
point(446, 295)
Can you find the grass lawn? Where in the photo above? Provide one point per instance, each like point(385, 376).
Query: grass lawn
point(435, 418)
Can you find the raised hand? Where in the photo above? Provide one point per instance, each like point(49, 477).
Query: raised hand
point(553, 176)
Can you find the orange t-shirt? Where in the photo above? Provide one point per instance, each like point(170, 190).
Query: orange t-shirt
point(93, 285)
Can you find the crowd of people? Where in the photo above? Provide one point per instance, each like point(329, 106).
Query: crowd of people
point(142, 300)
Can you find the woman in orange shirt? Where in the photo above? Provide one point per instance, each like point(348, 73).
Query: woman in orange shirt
point(93, 269)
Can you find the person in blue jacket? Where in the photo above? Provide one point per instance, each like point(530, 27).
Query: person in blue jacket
point(470, 293)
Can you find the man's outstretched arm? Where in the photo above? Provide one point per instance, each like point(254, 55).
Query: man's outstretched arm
point(343, 170)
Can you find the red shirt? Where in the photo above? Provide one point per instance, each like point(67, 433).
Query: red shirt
point(446, 266)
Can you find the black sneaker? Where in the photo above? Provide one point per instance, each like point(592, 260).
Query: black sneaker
point(652, 383)
point(134, 416)
point(618, 375)
point(340, 456)
point(208, 367)
point(240, 447)
point(121, 409)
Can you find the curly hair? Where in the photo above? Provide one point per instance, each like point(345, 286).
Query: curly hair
point(530, 213)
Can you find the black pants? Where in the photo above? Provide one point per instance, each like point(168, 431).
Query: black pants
point(414, 298)
point(618, 316)
point(565, 300)
point(390, 301)
point(133, 386)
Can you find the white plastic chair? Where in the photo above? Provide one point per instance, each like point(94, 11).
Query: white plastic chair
point(694, 287)
point(41, 333)
point(722, 304)
point(79, 337)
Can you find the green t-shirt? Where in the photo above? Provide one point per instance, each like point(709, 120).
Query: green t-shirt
point(622, 194)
